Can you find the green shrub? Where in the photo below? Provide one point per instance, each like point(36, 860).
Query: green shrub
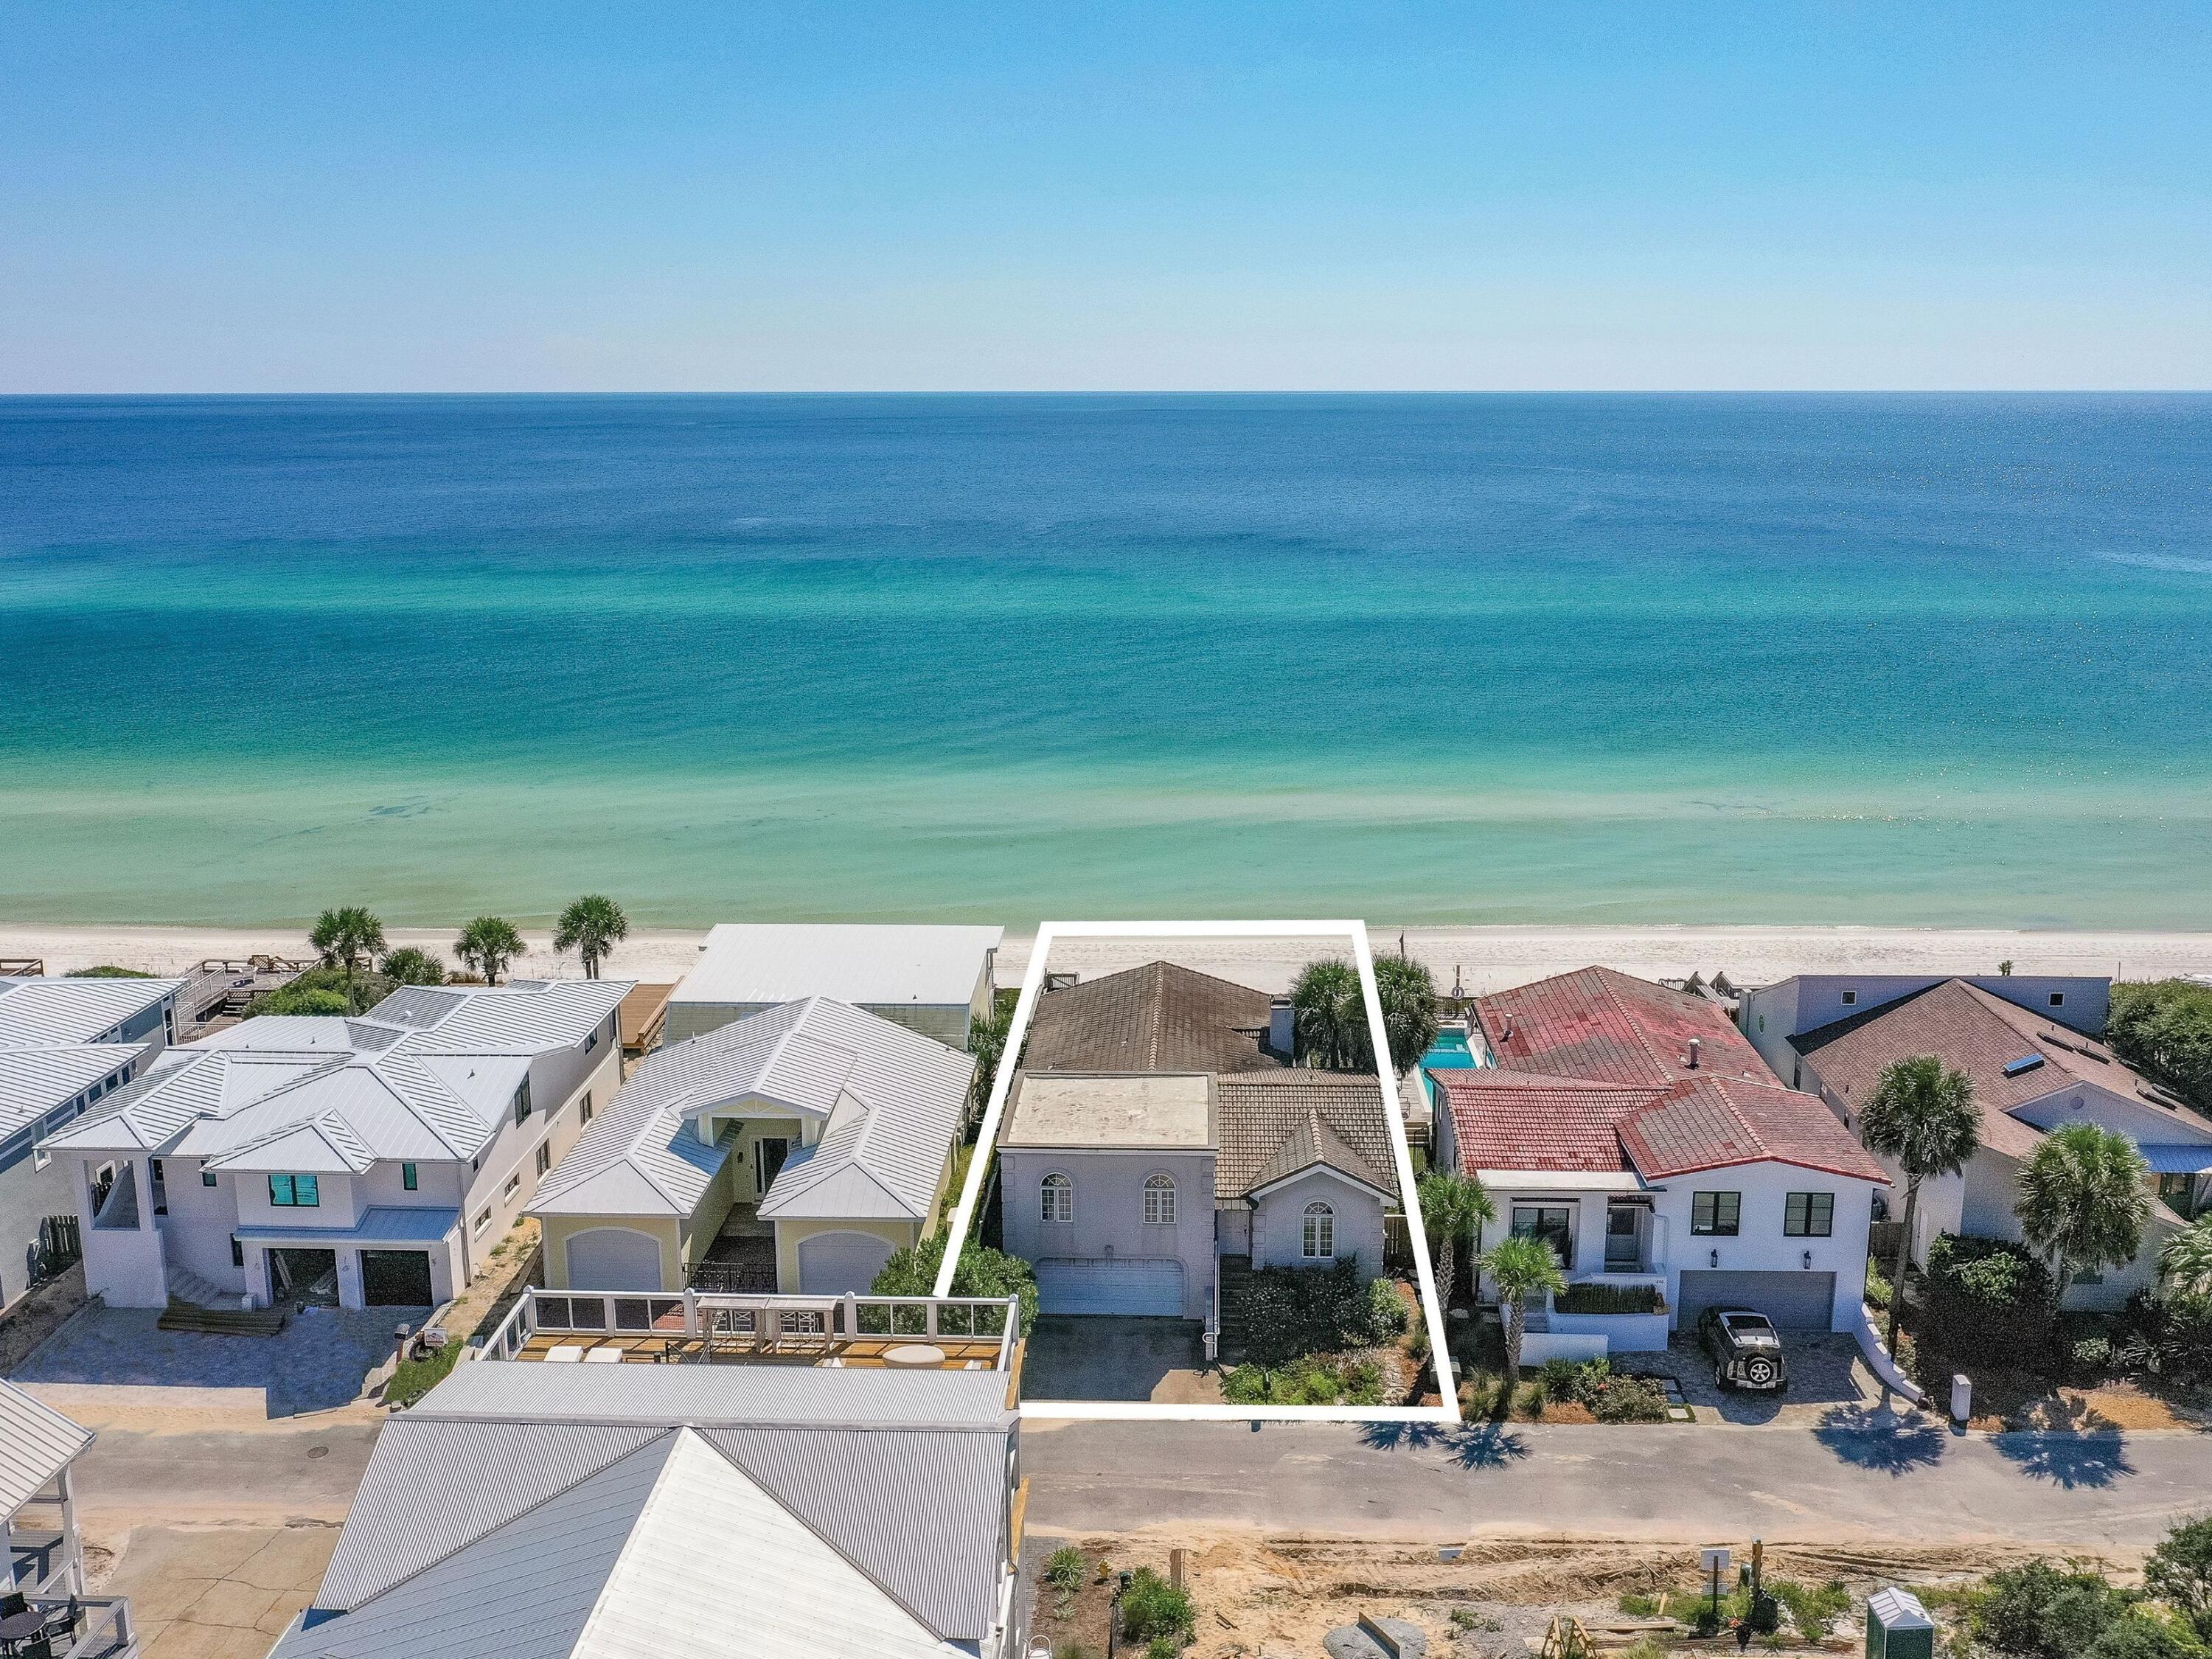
point(983, 1272)
point(1558, 1377)
point(1386, 1311)
point(292, 1000)
point(1300, 1311)
point(2092, 1356)
point(1988, 1302)
point(2163, 1028)
point(413, 1378)
point(1631, 1400)
point(1637, 1605)
point(1592, 1299)
point(106, 970)
point(2169, 1337)
point(2139, 1635)
point(1813, 1611)
point(1066, 1568)
point(2038, 1611)
point(1310, 1380)
point(1152, 1608)
point(1164, 1647)
point(409, 966)
point(1878, 1288)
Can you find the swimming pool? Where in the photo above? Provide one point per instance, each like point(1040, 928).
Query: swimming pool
point(1449, 1052)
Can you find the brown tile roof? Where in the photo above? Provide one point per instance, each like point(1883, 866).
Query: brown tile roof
point(1609, 1027)
point(1273, 1124)
point(1981, 1035)
point(1159, 1017)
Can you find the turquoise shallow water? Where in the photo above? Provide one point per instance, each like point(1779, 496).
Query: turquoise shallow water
point(1715, 658)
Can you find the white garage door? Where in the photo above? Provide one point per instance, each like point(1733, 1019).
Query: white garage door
point(1070, 1285)
point(834, 1264)
point(614, 1259)
point(1793, 1301)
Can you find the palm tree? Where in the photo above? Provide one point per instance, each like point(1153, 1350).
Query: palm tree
point(987, 1040)
point(1923, 1118)
point(2084, 1198)
point(409, 966)
point(1453, 1207)
point(2186, 1262)
point(592, 926)
point(1328, 1013)
point(1523, 1268)
point(1409, 1009)
point(487, 945)
point(346, 937)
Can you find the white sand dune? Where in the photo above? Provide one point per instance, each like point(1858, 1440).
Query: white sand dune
point(1477, 958)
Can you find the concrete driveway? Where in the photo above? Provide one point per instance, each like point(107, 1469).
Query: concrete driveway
point(1096, 1357)
point(1825, 1371)
point(219, 1592)
point(319, 1360)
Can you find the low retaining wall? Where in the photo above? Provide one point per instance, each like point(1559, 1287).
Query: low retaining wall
point(1623, 1333)
point(1877, 1358)
point(1537, 1346)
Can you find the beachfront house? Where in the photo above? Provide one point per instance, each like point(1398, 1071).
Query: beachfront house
point(767, 1512)
point(2032, 1067)
point(793, 1150)
point(46, 1554)
point(365, 1162)
point(1157, 1146)
point(934, 980)
point(1633, 1129)
point(66, 1045)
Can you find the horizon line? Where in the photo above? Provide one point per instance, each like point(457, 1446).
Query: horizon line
point(1171, 391)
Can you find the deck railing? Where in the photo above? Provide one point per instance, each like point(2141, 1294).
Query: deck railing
point(101, 1626)
point(831, 1319)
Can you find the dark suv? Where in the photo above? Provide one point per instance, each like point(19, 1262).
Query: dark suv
point(1746, 1350)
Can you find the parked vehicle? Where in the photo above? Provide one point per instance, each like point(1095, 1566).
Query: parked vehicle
point(1746, 1350)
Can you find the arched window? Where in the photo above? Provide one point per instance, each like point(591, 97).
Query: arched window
point(1056, 1195)
point(1319, 1240)
point(1160, 1199)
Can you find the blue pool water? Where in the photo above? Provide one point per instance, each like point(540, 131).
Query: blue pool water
point(1448, 1053)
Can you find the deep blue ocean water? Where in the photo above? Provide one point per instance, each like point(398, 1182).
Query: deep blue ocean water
point(1761, 659)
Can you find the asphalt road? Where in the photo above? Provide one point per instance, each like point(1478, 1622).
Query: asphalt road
point(1860, 1476)
point(264, 1475)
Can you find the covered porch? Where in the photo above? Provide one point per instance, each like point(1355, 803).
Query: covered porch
point(1612, 1243)
point(45, 1556)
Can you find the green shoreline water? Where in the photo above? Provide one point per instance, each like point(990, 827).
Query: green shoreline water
point(1757, 660)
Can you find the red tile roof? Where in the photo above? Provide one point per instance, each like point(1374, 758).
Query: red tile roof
point(1594, 1077)
point(1612, 1027)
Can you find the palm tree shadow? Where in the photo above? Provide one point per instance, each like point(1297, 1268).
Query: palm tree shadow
point(1479, 1446)
point(1874, 1437)
point(2068, 1460)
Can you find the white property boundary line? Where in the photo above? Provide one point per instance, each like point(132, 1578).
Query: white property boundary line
point(986, 1140)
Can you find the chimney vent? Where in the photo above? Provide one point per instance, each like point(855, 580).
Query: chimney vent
point(1695, 1044)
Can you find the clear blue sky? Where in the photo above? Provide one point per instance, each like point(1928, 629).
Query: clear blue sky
point(751, 195)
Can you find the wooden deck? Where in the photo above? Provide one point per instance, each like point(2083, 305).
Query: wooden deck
point(643, 1013)
point(726, 1348)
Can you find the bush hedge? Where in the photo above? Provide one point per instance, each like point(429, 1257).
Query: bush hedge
point(1295, 1311)
point(1988, 1302)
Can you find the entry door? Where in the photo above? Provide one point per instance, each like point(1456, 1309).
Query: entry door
point(1623, 1236)
point(769, 1154)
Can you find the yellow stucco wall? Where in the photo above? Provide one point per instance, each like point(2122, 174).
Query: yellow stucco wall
point(900, 1234)
point(560, 1229)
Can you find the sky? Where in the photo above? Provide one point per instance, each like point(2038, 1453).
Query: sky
point(750, 195)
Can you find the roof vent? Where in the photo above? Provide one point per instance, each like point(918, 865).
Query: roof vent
point(1692, 1060)
point(2025, 1064)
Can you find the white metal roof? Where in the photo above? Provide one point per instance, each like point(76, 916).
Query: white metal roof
point(891, 1100)
point(867, 964)
point(37, 1443)
point(43, 1011)
point(325, 1094)
point(35, 1081)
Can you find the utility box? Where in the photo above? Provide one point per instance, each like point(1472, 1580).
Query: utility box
point(1898, 1627)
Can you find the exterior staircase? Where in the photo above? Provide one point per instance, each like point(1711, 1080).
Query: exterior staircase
point(196, 1305)
point(1236, 1327)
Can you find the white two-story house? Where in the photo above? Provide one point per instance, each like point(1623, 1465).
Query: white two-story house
point(365, 1162)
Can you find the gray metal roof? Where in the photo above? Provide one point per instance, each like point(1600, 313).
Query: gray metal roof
point(37, 1443)
point(720, 1396)
point(747, 963)
point(380, 1225)
point(35, 1081)
point(62, 1010)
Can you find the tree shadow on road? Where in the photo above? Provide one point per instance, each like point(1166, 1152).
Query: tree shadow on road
point(1875, 1438)
point(2067, 1459)
point(1480, 1446)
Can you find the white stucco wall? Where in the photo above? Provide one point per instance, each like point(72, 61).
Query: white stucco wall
point(1110, 1211)
point(1277, 1224)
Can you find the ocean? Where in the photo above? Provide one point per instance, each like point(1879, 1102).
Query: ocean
point(1926, 659)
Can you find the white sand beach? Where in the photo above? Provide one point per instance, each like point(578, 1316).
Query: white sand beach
point(1476, 958)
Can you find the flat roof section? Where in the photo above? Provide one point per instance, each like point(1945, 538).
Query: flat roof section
point(867, 964)
point(1157, 1110)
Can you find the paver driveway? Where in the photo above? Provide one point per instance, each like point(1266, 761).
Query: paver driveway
point(1825, 1371)
point(318, 1361)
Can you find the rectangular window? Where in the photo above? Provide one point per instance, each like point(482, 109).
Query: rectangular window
point(237, 1252)
point(592, 1041)
point(1808, 1215)
point(295, 1191)
point(522, 1100)
point(513, 1184)
point(584, 1115)
point(544, 1158)
point(2059, 999)
point(1555, 1225)
point(1715, 1215)
point(207, 1178)
point(476, 1227)
point(408, 1178)
point(1850, 998)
